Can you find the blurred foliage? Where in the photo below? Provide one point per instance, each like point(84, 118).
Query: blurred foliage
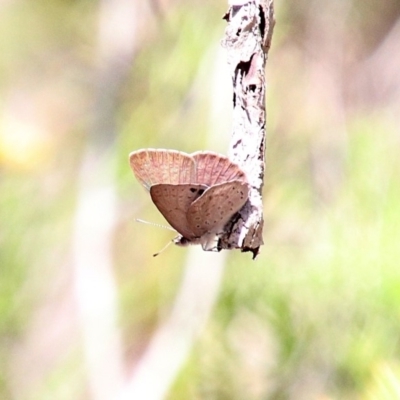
point(317, 316)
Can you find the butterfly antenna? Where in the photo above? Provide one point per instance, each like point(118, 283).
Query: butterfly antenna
point(154, 224)
point(159, 252)
point(159, 226)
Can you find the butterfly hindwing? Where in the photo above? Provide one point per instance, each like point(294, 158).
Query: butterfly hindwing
point(213, 210)
point(173, 202)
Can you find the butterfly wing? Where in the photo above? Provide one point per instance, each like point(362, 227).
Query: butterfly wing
point(173, 202)
point(154, 166)
point(213, 168)
point(213, 210)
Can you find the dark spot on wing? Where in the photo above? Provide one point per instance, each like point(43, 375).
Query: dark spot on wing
point(199, 191)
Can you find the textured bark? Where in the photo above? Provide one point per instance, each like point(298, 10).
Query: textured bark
point(247, 41)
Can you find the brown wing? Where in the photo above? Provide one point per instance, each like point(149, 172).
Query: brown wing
point(153, 166)
point(173, 202)
point(213, 168)
point(211, 211)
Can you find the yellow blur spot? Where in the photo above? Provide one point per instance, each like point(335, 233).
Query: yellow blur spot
point(23, 145)
point(385, 382)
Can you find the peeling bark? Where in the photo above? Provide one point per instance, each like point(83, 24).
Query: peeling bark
point(247, 41)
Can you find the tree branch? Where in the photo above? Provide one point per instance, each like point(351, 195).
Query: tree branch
point(247, 40)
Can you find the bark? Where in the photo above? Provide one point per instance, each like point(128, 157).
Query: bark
point(247, 41)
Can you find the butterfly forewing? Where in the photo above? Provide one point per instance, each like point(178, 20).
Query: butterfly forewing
point(213, 210)
point(212, 169)
point(173, 201)
point(152, 167)
point(174, 167)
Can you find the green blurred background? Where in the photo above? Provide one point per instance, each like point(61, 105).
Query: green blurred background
point(83, 83)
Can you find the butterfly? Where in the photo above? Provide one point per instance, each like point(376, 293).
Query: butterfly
point(196, 193)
